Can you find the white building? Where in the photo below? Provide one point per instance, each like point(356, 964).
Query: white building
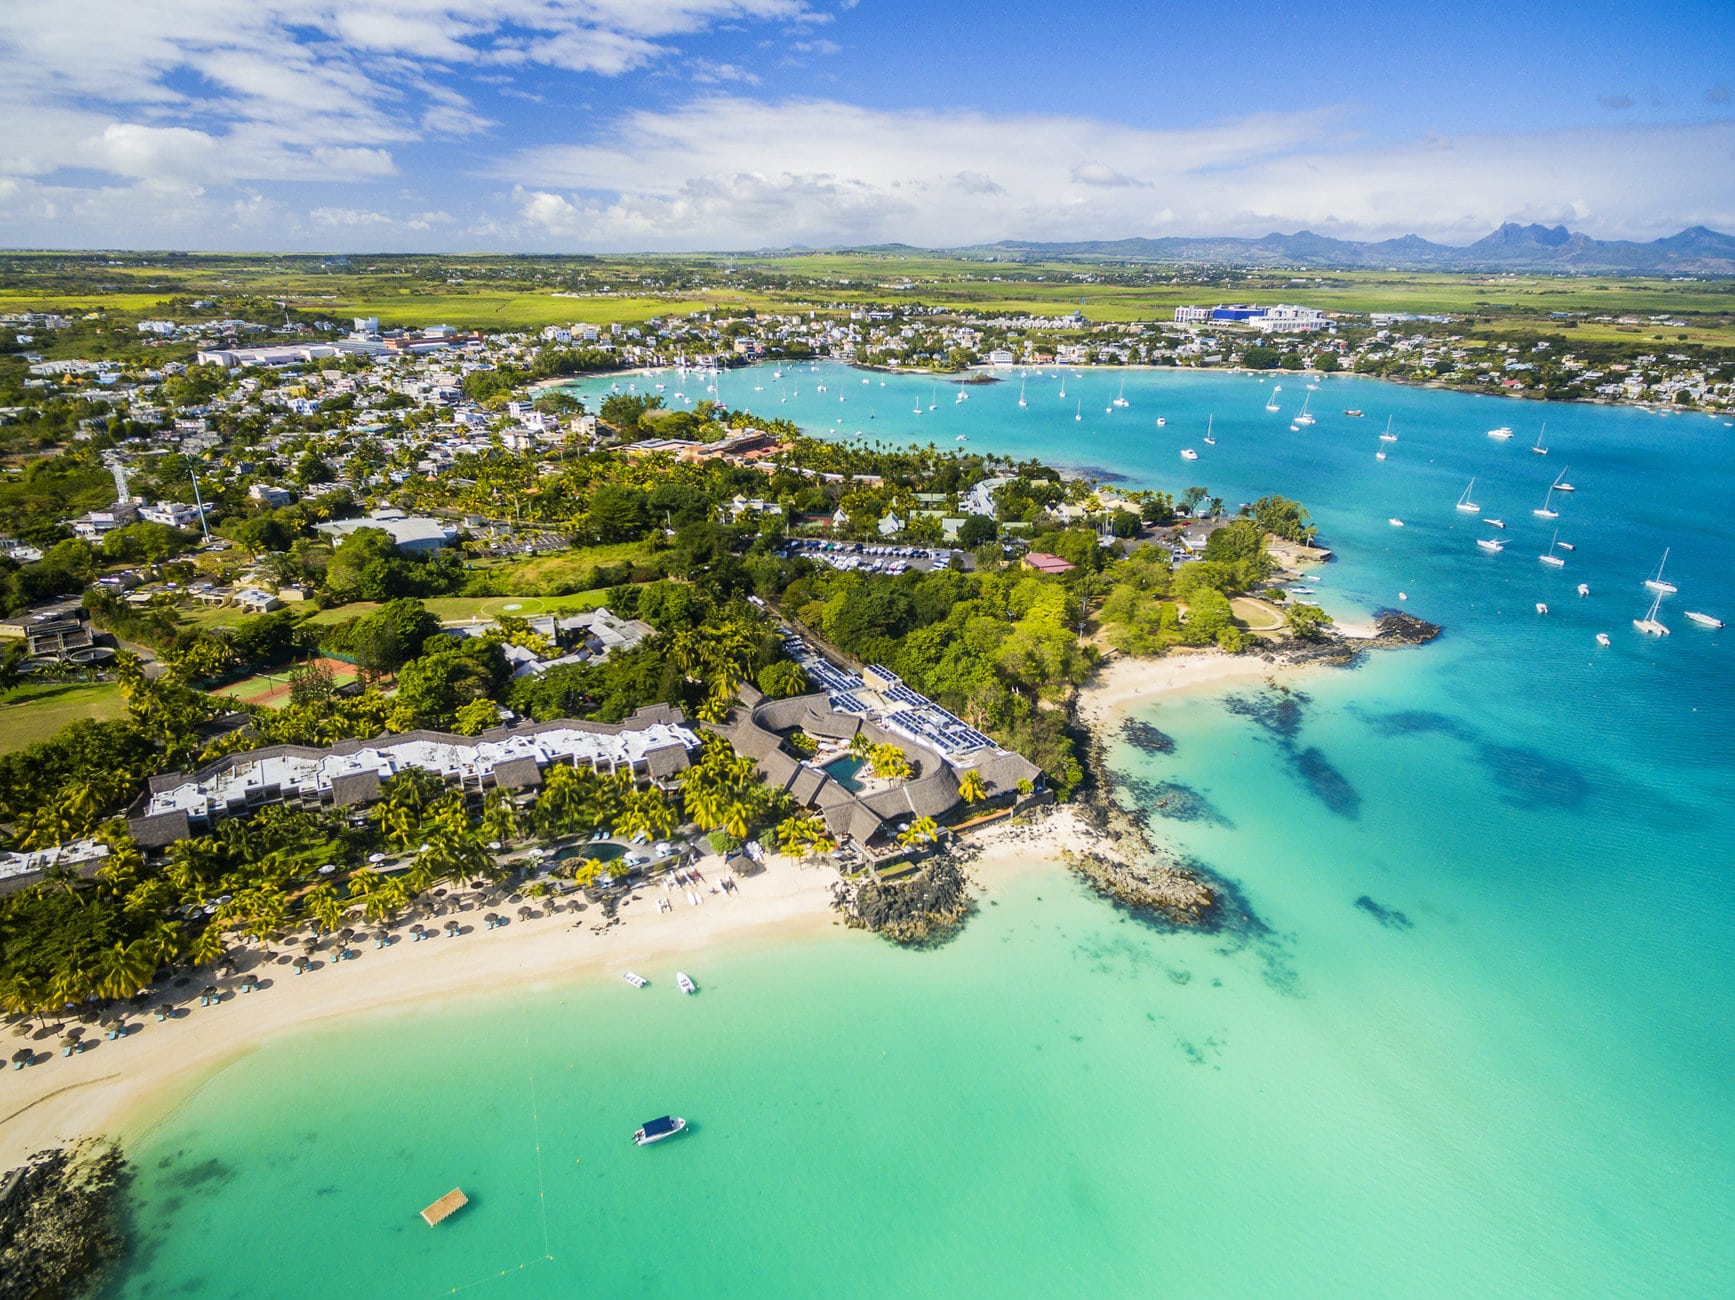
point(175, 514)
point(1191, 315)
point(413, 533)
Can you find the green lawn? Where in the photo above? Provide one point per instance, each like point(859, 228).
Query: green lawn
point(35, 712)
point(457, 609)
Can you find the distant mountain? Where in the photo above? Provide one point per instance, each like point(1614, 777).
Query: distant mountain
point(1513, 247)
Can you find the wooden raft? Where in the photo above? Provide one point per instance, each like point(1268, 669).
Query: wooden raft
point(445, 1207)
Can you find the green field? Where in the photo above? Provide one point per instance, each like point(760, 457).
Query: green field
point(458, 609)
point(35, 712)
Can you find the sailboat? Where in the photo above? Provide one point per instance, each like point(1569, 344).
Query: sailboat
point(1271, 402)
point(1468, 506)
point(1063, 385)
point(1121, 397)
point(1649, 624)
point(1209, 440)
point(1656, 583)
point(1539, 449)
point(1078, 414)
point(1388, 435)
point(1304, 417)
point(1021, 400)
point(1560, 485)
point(1547, 511)
point(1551, 559)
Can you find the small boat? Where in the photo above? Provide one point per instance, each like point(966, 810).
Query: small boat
point(1656, 583)
point(1468, 506)
point(1602, 638)
point(963, 437)
point(684, 982)
point(1551, 559)
point(1649, 624)
point(1704, 620)
point(1491, 544)
point(1353, 413)
point(1395, 522)
point(1388, 435)
point(1161, 422)
point(637, 981)
point(655, 1130)
point(1495, 523)
point(1187, 453)
point(1584, 588)
point(1502, 433)
point(1379, 455)
point(1566, 546)
point(1539, 449)
point(1541, 608)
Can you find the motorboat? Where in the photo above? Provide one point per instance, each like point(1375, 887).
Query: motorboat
point(655, 1130)
point(1491, 544)
point(1161, 422)
point(1495, 523)
point(1584, 588)
point(1541, 608)
point(684, 982)
point(1602, 638)
point(1502, 433)
point(1704, 620)
point(1395, 522)
point(1187, 453)
point(1353, 413)
point(637, 981)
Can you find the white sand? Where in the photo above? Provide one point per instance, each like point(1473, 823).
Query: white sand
point(1124, 683)
point(120, 1088)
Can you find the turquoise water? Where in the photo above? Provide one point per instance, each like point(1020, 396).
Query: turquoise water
point(1507, 1072)
point(843, 771)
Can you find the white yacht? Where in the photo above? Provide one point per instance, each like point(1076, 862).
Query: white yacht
point(1584, 588)
point(1704, 620)
point(1649, 624)
point(1121, 397)
point(1209, 440)
point(1395, 522)
point(1388, 435)
point(1491, 544)
point(1468, 506)
point(1656, 583)
point(1495, 523)
point(1379, 455)
point(1559, 485)
point(1079, 413)
point(684, 982)
point(1187, 453)
point(1021, 400)
point(1602, 638)
point(1502, 433)
point(1551, 559)
point(637, 981)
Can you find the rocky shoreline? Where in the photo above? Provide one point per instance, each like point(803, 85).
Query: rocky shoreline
point(60, 1221)
point(915, 911)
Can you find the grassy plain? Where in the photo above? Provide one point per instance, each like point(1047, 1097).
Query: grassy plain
point(36, 711)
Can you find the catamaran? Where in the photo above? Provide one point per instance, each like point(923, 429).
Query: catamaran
point(1502, 433)
point(1656, 583)
point(1648, 624)
point(1551, 559)
point(1468, 506)
point(1539, 449)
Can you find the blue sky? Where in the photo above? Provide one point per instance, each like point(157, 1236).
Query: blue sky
point(618, 125)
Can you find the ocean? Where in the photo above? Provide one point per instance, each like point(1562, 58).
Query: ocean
point(1474, 1040)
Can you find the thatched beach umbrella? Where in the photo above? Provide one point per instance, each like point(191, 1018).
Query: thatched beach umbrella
point(23, 1057)
point(418, 932)
point(524, 914)
point(381, 938)
point(209, 996)
point(453, 929)
point(164, 1011)
point(299, 965)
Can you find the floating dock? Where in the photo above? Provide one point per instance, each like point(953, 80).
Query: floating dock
point(445, 1207)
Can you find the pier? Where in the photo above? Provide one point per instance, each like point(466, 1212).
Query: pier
point(445, 1207)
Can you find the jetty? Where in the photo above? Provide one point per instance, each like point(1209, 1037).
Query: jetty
point(445, 1207)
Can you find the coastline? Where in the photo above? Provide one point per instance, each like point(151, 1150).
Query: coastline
point(120, 1089)
point(1121, 684)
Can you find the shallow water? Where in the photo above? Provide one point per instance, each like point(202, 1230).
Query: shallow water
point(1478, 1042)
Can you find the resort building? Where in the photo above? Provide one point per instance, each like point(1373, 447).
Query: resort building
point(654, 744)
point(412, 533)
point(1043, 562)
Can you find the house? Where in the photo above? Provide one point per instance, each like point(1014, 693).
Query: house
point(269, 494)
point(175, 514)
point(93, 525)
point(1001, 359)
point(1043, 562)
point(251, 600)
point(412, 533)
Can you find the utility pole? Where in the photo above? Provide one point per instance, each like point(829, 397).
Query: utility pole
point(199, 501)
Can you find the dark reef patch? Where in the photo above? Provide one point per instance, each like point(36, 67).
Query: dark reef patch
point(1329, 785)
point(1389, 917)
point(1278, 710)
point(1176, 802)
point(1142, 735)
point(1416, 722)
point(1527, 777)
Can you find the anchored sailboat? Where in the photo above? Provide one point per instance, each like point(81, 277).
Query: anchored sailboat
point(1656, 582)
point(1468, 506)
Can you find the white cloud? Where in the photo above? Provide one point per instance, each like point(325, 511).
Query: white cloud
point(729, 172)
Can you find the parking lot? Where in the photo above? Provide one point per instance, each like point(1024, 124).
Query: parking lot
point(871, 557)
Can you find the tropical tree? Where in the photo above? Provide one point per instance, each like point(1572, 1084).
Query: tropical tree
point(922, 829)
point(646, 812)
point(971, 787)
point(323, 904)
point(122, 969)
point(208, 945)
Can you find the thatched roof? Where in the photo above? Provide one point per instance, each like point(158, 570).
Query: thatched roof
point(1002, 770)
point(160, 830)
point(356, 788)
point(666, 760)
point(806, 785)
point(518, 774)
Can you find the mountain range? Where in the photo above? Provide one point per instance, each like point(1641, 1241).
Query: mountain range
point(1513, 247)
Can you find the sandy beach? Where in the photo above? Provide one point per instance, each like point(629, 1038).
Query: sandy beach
point(119, 1088)
point(1123, 684)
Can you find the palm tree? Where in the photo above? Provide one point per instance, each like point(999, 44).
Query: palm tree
point(322, 903)
point(646, 812)
point(737, 818)
point(971, 787)
point(190, 861)
point(859, 745)
point(208, 945)
point(123, 969)
point(390, 898)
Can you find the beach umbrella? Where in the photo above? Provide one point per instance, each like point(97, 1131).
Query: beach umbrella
point(524, 914)
point(327, 869)
point(376, 857)
point(164, 1011)
point(494, 845)
point(22, 1057)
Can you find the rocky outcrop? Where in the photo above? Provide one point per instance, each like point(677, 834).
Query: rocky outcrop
point(59, 1221)
point(1172, 893)
point(914, 911)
